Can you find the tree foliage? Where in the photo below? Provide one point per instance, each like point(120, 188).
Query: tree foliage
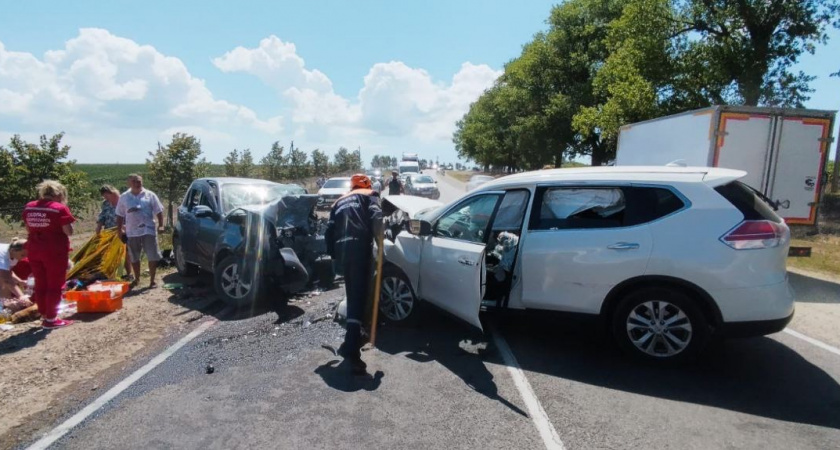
point(347, 161)
point(23, 165)
point(171, 169)
point(320, 162)
point(272, 165)
point(298, 163)
point(383, 162)
point(605, 63)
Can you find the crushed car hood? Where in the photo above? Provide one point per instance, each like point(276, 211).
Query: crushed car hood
point(287, 211)
point(408, 203)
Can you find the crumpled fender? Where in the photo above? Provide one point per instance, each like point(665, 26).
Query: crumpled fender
point(294, 277)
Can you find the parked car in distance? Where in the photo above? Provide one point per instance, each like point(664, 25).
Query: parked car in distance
point(255, 236)
point(332, 190)
point(477, 180)
point(422, 186)
point(666, 256)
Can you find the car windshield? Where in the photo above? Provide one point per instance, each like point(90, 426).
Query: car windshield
point(238, 195)
point(412, 169)
point(337, 184)
point(424, 179)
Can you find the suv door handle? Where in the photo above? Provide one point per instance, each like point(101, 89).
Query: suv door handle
point(466, 262)
point(624, 246)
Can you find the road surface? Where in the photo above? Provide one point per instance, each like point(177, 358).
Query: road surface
point(443, 385)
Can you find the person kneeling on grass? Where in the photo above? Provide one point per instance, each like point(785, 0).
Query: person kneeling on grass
point(137, 208)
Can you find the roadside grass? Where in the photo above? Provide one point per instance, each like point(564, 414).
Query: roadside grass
point(461, 176)
point(825, 254)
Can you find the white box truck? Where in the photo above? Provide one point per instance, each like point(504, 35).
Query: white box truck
point(783, 150)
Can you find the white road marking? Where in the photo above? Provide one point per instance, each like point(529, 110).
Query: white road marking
point(80, 416)
point(535, 410)
point(813, 341)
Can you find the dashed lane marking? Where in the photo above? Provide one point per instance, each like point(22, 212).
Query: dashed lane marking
point(813, 341)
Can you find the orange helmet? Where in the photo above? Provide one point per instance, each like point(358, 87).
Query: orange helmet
point(360, 181)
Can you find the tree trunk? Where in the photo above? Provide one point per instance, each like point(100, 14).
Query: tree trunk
point(169, 215)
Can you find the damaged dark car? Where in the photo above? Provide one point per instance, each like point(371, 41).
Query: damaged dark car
point(256, 237)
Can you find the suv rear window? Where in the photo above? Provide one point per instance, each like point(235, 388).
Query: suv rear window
point(601, 207)
point(748, 202)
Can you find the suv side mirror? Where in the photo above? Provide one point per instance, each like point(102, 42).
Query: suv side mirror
point(204, 211)
point(419, 227)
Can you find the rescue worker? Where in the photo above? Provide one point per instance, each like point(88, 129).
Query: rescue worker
point(395, 187)
point(49, 224)
point(355, 219)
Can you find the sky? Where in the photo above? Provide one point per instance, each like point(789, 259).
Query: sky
point(385, 77)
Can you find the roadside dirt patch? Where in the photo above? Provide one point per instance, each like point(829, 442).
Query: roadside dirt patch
point(39, 369)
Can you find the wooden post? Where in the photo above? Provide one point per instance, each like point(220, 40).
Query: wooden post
point(380, 244)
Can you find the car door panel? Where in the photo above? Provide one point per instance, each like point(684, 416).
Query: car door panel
point(450, 276)
point(209, 230)
point(574, 270)
point(188, 234)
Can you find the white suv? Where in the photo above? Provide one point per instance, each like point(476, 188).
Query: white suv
point(667, 256)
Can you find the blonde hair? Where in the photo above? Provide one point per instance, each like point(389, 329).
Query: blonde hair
point(108, 188)
point(52, 189)
point(17, 244)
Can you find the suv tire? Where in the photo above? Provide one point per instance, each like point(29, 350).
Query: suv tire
point(234, 284)
point(659, 324)
point(398, 303)
point(185, 269)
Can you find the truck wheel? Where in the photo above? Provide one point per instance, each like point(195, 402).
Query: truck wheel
point(236, 281)
point(185, 269)
point(659, 324)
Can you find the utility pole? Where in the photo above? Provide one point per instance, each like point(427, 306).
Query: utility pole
point(835, 183)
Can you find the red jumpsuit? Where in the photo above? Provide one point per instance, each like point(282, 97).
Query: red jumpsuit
point(48, 248)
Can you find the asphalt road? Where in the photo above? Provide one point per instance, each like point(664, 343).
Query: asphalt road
point(443, 385)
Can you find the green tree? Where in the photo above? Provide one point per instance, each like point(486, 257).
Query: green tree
point(274, 163)
point(246, 164)
point(24, 165)
point(320, 162)
point(343, 160)
point(298, 163)
point(231, 163)
point(171, 169)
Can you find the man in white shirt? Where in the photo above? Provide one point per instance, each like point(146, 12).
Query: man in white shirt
point(137, 209)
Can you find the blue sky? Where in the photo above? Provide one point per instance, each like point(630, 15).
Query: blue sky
point(386, 76)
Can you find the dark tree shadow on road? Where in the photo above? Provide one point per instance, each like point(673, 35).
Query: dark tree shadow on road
point(813, 290)
point(757, 376)
point(338, 375)
point(455, 346)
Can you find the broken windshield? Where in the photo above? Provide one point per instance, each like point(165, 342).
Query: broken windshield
point(238, 195)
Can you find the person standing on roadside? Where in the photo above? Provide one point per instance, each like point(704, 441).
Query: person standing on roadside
point(395, 187)
point(136, 209)
point(108, 217)
point(49, 224)
point(355, 219)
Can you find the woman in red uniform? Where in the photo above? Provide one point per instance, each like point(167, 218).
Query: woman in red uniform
point(50, 224)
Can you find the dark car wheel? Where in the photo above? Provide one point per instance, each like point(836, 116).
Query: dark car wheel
point(397, 302)
point(660, 324)
point(236, 281)
point(185, 269)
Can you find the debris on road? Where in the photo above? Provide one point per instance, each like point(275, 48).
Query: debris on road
point(210, 369)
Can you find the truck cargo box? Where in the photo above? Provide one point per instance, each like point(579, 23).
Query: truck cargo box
point(784, 150)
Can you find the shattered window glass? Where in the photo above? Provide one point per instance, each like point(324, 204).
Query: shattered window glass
point(468, 222)
point(582, 208)
point(238, 195)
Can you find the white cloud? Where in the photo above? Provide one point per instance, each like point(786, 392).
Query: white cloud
point(99, 80)
point(109, 92)
point(395, 100)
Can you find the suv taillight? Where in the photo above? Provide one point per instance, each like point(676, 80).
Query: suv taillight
point(755, 234)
